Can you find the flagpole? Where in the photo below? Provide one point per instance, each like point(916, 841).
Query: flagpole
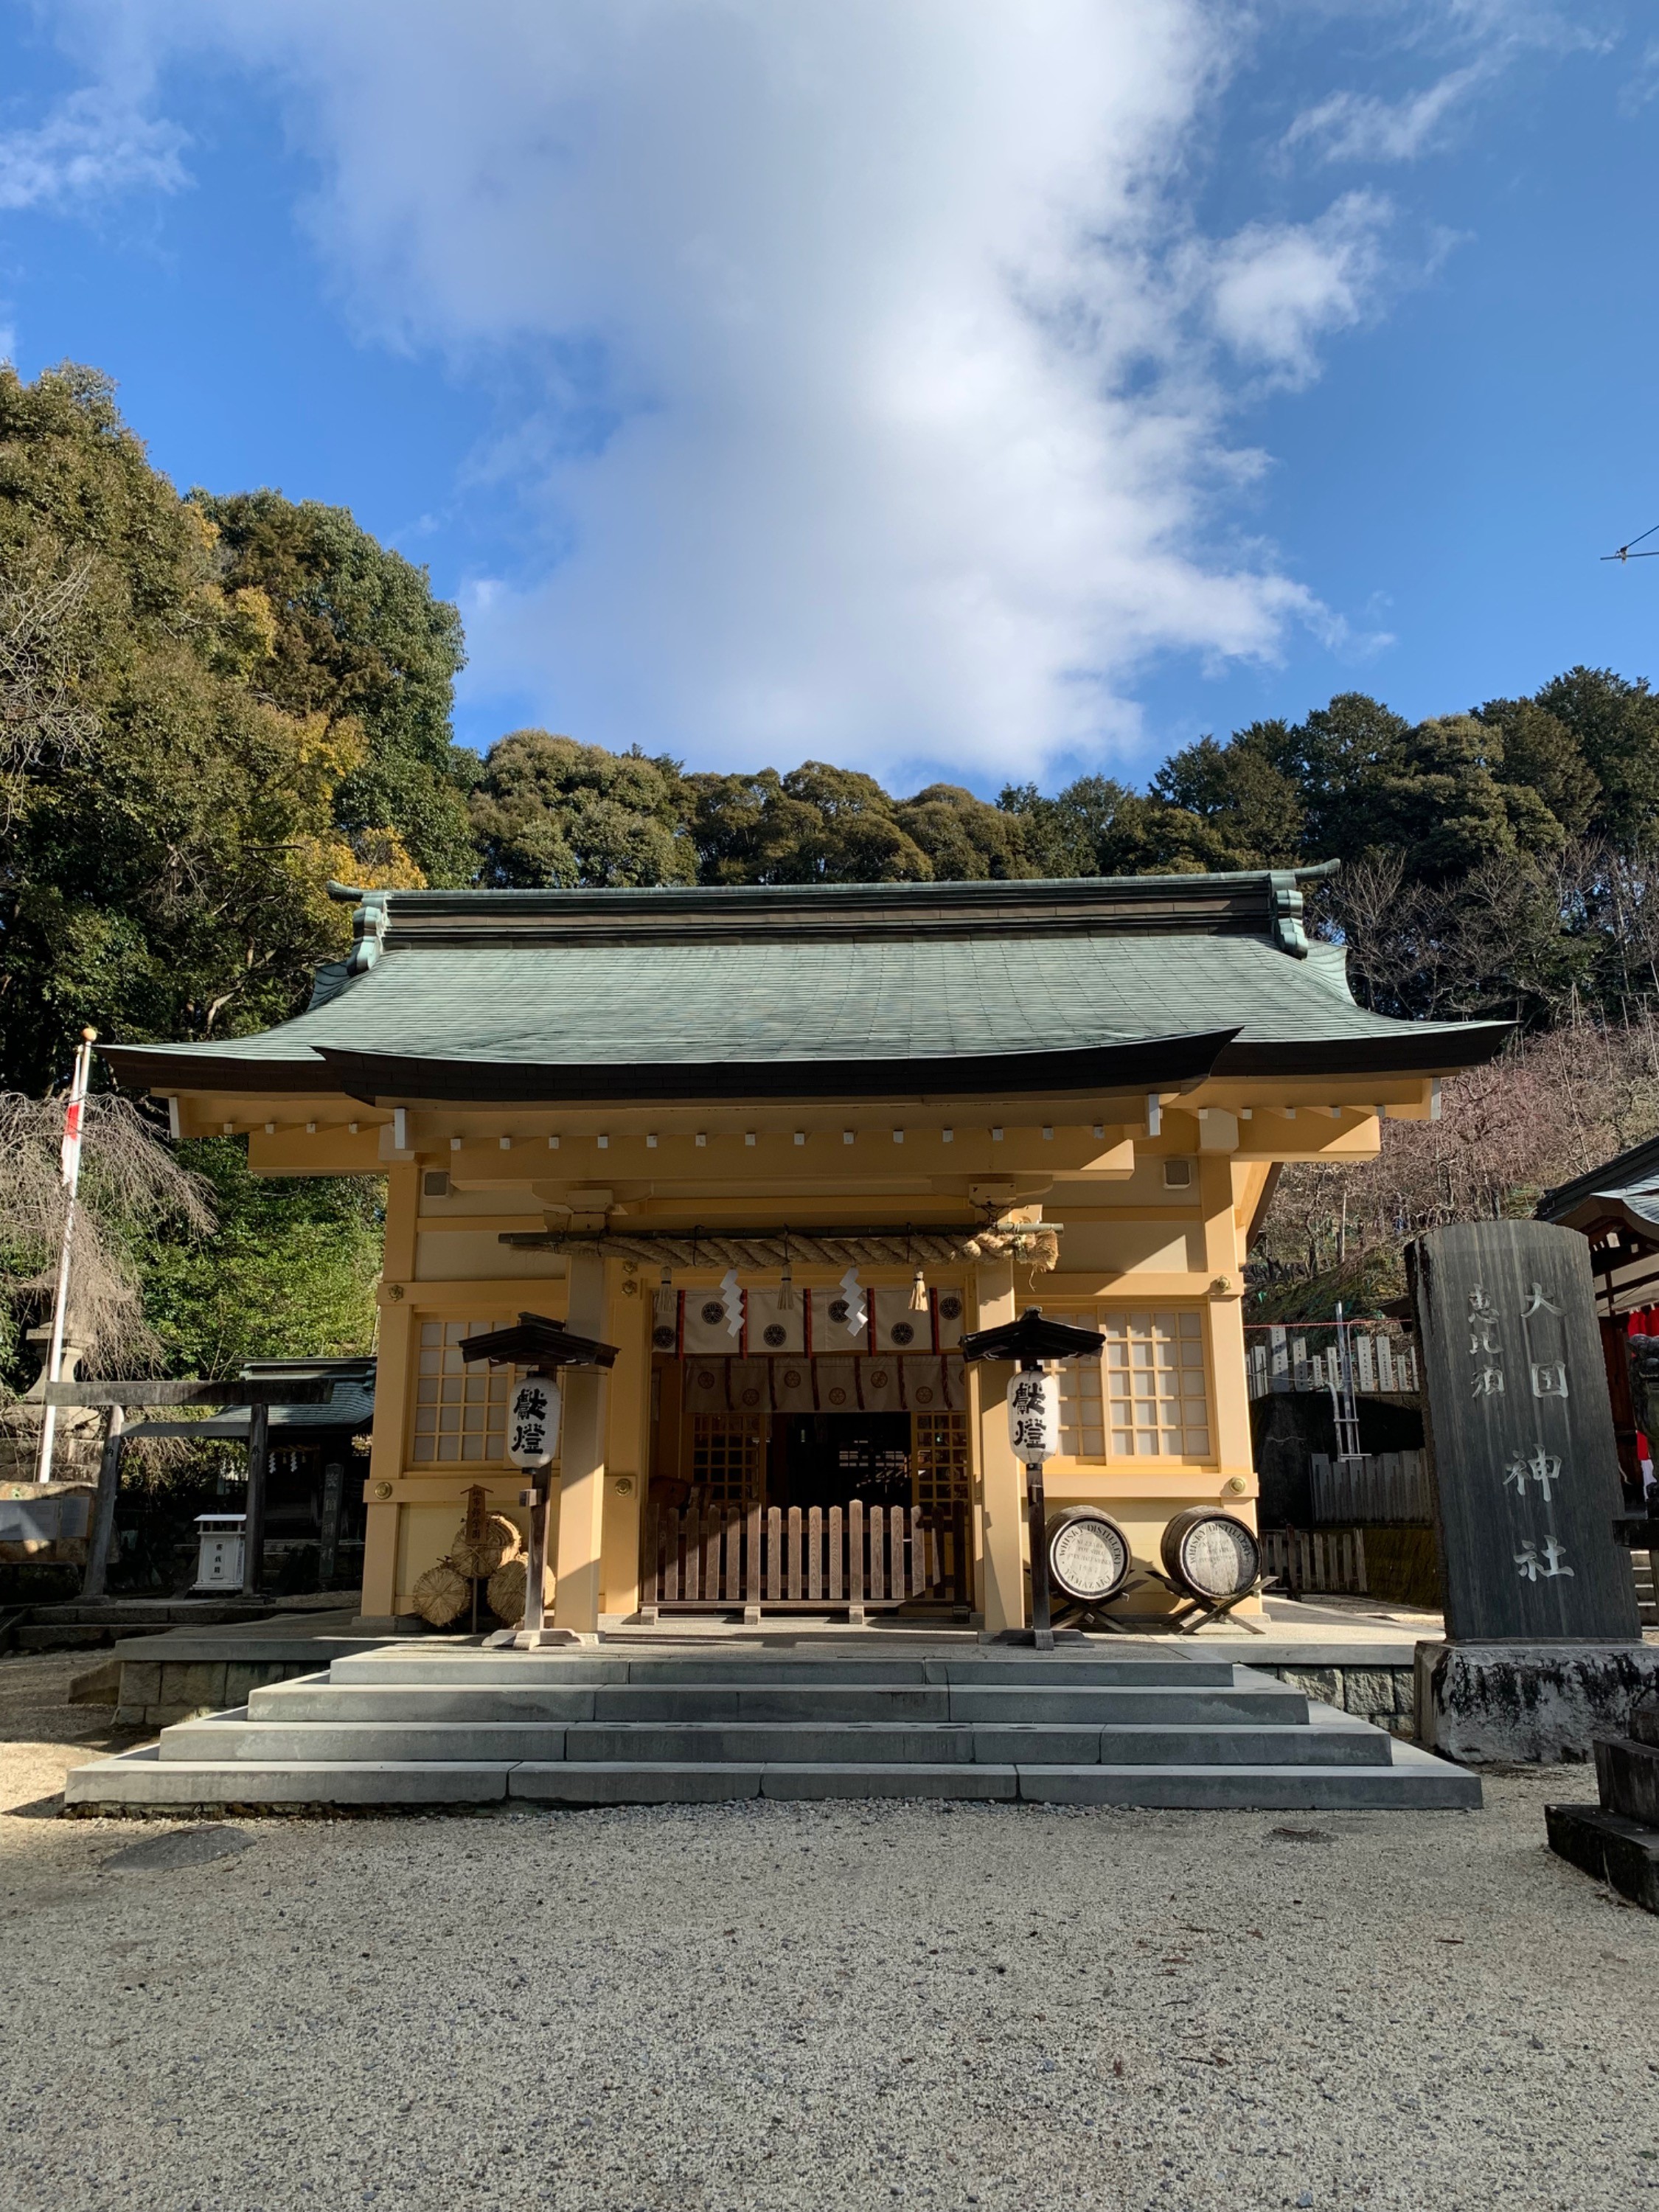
point(74, 1120)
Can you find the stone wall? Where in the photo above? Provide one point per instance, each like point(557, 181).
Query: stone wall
point(1385, 1696)
point(156, 1692)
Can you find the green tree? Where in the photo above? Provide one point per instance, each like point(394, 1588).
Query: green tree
point(1615, 725)
point(1540, 752)
point(357, 635)
point(964, 838)
point(816, 824)
point(1343, 753)
point(546, 811)
point(1249, 792)
point(288, 1274)
point(171, 828)
point(1098, 827)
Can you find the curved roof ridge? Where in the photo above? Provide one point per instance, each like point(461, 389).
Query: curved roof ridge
point(958, 890)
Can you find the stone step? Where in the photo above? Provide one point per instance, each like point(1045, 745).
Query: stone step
point(232, 1738)
point(235, 1736)
point(139, 1781)
point(317, 1697)
point(469, 1665)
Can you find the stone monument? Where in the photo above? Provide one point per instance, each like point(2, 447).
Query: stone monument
point(1543, 1638)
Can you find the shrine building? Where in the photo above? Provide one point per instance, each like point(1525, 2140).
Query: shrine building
point(781, 1146)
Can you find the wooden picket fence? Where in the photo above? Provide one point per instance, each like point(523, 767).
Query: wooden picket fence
point(877, 1556)
point(1316, 1558)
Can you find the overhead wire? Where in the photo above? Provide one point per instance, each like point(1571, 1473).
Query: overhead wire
point(1624, 553)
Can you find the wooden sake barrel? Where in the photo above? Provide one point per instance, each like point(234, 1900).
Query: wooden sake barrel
point(1088, 1555)
point(1212, 1554)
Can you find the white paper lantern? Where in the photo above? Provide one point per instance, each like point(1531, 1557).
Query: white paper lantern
point(1034, 1415)
point(532, 1422)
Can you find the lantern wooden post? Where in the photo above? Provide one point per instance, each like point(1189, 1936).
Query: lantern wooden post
point(1033, 1343)
point(539, 1466)
point(1033, 1419)
point(537, 1343)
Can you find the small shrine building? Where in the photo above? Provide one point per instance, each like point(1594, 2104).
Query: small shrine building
point(782, 1146)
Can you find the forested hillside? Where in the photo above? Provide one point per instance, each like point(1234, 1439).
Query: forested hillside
point(211, 703)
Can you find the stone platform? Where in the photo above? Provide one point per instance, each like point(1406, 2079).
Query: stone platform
point(643, 1722)
point(83, 1625)
point(190, 1669)
point(1353, 1654)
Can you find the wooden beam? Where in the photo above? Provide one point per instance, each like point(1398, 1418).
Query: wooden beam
point(153, 1392)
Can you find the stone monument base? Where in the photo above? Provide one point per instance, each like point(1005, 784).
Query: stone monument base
point(1533, 1703)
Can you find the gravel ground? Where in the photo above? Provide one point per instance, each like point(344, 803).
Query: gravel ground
point(783, 2005)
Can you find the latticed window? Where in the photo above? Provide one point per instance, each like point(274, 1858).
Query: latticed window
point(940, 1481)
point(1081, 1418)
point(1156, 1404)
point(460, 1412)
point(728, 1459)
point(1147, 1398)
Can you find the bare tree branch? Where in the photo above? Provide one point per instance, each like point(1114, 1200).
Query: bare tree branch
point(131, 1185)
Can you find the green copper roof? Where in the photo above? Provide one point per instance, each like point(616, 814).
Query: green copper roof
point(835, 990)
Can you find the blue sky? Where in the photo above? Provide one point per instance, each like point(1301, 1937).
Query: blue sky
point(983, 394)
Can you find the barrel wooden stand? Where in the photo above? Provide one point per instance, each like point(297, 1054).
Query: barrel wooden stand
point(1191, 1613)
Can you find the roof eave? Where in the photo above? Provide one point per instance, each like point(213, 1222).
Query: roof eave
point(1169, 1063)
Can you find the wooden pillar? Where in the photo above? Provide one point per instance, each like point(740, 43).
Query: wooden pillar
point(581, 1537)
point(396, 1343)
point(1001, 1563)
point(253, 1526)
point(1222, 1262)
point(1230, 1387)
point(101, 1534)
point(628, 1451)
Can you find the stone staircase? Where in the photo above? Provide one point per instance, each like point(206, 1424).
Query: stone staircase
point(462, 1725)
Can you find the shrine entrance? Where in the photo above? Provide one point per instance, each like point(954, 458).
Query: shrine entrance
point(830, 1459)
point(799, 1511)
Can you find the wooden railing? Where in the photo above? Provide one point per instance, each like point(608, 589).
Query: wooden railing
point(857, 1557)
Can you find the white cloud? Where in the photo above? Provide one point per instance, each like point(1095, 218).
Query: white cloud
point(1357, 126)
point(1643, 84)
point(96, 142)
point(1274, 289)
point(914, 373)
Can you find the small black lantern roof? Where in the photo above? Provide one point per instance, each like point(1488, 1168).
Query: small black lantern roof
point(535, 1341)
point(1030, 1340)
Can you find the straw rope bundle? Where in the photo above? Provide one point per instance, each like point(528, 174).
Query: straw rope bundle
point(442, 1595)
point(477, 1554)
point(505, 1590)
